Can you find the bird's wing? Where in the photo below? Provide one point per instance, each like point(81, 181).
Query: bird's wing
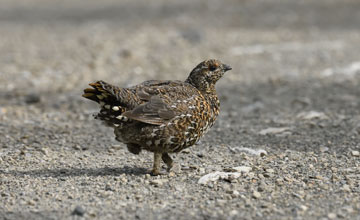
point(160, 99)
point(155, 112)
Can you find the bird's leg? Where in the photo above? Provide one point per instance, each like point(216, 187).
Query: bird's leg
point(156, 168)
point(168, 161)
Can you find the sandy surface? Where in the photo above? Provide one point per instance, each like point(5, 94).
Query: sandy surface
point(290, 115)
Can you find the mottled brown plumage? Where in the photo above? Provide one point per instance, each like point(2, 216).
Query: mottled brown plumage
point(161, 116)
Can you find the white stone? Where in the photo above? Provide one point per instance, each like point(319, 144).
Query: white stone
point(312, 115)
point(211, 177)
point(256, 195)
point(274, 130)
point(257, 152)
point(355, 153)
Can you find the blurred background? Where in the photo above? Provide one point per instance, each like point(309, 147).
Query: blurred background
point(61, 45)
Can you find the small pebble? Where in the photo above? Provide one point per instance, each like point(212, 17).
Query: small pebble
point(331, 215)
point(31, 202)
point(346, 188)
point(304, 208)
point(201, 170)
point(77, 147)
point(355, 153)
point(80, 211)
point(319, 177)
point(108, 188)
point(32, 98)
point(270, 170)
point(44, 151)
point(124, 180)
point(233, 212)
point(256, 195)
point(235, 193)
point(279, 182)
point(158, 182)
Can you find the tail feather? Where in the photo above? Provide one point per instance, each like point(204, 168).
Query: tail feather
point(113, 102)
point(99, 93)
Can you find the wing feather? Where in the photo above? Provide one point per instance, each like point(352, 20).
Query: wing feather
point(155, 112)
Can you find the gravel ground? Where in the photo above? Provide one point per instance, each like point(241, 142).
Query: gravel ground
point(286, 144)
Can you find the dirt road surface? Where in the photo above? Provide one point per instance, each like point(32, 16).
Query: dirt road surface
point(288, 131)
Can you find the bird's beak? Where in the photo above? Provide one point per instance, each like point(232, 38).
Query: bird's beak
point(226, 67)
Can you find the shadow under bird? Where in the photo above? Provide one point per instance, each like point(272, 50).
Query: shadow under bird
point(161, 116)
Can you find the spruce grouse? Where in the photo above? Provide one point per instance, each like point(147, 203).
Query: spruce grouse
point(161, 116)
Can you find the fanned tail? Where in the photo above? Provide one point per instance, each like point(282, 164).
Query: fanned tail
point(114, 101)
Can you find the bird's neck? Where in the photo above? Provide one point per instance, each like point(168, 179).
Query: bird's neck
point(203, 86)
point(209, 93)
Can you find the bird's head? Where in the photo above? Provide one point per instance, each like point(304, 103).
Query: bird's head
point(206, 74)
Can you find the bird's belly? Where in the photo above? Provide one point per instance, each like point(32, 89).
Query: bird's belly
point(174, 136)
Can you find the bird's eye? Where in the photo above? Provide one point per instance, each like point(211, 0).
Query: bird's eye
point(212, 67)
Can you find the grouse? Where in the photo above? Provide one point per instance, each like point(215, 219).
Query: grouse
point(161, 116)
